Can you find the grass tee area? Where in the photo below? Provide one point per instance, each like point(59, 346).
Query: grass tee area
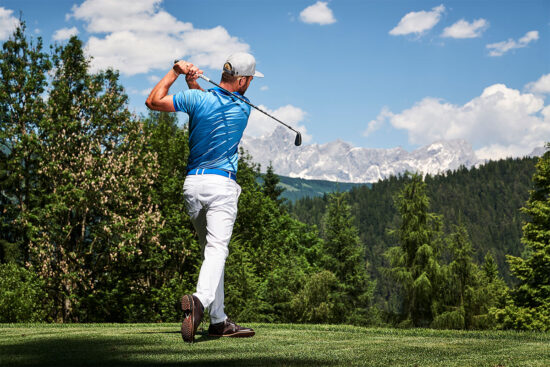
point(273, 345)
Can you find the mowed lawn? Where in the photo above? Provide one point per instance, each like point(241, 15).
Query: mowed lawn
point(273, 345)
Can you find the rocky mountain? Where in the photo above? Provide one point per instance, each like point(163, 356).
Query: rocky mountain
point(340, 161)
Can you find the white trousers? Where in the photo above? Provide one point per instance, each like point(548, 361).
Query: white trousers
point(211, 202)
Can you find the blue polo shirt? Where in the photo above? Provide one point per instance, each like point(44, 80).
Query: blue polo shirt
point(216, 125)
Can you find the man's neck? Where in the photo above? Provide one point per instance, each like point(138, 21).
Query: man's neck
point(229, 86)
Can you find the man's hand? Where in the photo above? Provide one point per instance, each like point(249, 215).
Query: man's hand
point(191, 71)
point(159, 99)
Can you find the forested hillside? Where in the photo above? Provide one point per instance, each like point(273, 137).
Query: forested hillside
point(294, 188)
point(487, 200)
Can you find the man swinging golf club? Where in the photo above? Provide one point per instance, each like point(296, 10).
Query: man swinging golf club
point(216, 123)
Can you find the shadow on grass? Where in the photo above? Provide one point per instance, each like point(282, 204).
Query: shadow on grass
point(200, 337)
point(128, 350)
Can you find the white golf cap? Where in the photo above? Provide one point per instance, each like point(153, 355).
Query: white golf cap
point(241, 64)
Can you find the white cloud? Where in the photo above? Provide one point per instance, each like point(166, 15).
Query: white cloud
point(318, 13)
point(8, 23)
point(529, 36)
point(463, 29)
point(263, 88)
point(500, 48)
point(374, 125)
point(154, 79)
point(541, 86)
point(137, 36)
point(418, 22)
point(64, 33)
point(501, 122)
point(261, 125)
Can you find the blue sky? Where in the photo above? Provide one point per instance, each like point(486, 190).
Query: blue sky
point(377, 74)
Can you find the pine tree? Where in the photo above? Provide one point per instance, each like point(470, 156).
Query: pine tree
point(462, 281)
point(270, 188)
point(414, 264)
point(529, 305)
point(23, 70)
point(490, 268)
point(344, 255)
point(462, 266)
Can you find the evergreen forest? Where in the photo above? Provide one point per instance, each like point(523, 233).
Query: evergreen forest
point(485, 199)
point(93, 226)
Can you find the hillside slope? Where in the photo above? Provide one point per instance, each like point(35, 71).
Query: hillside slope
point(486, 199)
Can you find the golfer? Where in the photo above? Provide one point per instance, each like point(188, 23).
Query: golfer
point(216, 124)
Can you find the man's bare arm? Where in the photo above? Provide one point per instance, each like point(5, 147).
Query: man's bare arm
point(158, 99)
point(191, 80)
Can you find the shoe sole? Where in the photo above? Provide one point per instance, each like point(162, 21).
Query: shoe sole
point(238, 334)
point(187, 326)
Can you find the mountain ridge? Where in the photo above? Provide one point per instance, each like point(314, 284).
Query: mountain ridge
point(340, 161)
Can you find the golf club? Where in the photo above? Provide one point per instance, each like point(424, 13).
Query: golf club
point(297, 141)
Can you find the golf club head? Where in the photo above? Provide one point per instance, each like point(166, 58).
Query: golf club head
point(298, 140)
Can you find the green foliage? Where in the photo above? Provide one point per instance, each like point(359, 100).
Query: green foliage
point(449, 320)
point(344, 256)
point(96, 220)
point(528, 307)
point(270, 188)
point(470, 291)
point(485, 199)
point(490, 268)
point(23, 68)
point(321, 300)
point(414, 264)
point(270, 256)
point(92, 196)
point(169, 143)
point(22, 295)
point(301, 189)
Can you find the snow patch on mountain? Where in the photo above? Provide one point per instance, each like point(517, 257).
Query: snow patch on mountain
point(342, 162)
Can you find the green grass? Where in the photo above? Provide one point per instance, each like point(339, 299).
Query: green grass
point(273, 345)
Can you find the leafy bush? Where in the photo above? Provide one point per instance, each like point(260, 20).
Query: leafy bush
point(449, 320)
point(522, 318)
point(320, 300)
point(22, 295)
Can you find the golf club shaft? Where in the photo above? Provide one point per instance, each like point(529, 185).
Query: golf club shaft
point(245, 101)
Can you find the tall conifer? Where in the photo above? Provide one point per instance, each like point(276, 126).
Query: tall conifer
point(23, 68)
point(270, 188)
point(344, 255)
point(529, 306)
point(414, 264)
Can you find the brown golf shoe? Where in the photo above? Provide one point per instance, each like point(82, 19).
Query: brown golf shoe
point(192, 316)
point(229, 328)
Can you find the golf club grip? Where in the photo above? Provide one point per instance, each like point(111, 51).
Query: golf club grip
point(205, 78)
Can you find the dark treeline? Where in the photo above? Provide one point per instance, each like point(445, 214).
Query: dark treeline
point(486, 200)
point(426, 239)
point(93, 227)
